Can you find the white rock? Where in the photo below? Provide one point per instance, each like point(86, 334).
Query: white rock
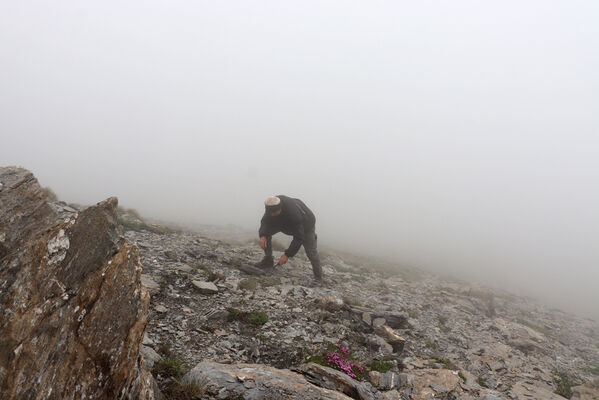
point(205, 287)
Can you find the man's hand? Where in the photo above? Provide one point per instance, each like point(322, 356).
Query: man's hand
point(263, 242)
point(283, 259)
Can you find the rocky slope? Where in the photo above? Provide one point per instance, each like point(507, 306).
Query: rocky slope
point(74, 306)
point(440, 338)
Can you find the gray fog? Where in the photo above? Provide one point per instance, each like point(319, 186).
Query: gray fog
point(457, 136)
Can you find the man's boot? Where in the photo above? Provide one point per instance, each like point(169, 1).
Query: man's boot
point(266, 262)
point(317, 270)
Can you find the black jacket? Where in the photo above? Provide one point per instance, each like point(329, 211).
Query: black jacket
point(295, 219)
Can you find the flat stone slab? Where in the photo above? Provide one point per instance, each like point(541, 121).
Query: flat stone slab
point(257, 382)
point(205, 287)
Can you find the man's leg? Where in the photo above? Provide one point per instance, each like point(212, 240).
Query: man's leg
point(310, 244)
point(267, 261)
point(268, 249)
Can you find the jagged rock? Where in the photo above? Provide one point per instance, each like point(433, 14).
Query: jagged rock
point(397, 342)
point(151, 286)
point(184, 268)
point(393, 319)
point(524, 390)
point(257, 382)
point(405, 379)
point(588, 391)
point(431, 383)
point(389, 380)
point(375, 378)
point(336, 380)
point(63, 283)
point(378, 322)
point(377, 343)
point(147, 341)
point(149, 355)
point(160, 308)
point(525, 345)
point(490, 397)
point(205, 287)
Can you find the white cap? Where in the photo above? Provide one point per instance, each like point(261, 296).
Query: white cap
point(272, 201)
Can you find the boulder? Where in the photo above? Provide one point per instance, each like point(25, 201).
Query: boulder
point(336, 380)
point(588, 391)
point(393, 319)
point(256, 382)
point(431, 383)
point(397, 342)
point(74, 310)
point(525, 390)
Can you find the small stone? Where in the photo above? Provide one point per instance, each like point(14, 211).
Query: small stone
point(396, 341)
point(378, 322)
point(375, 378)
point(367, 317)
point(150, 356)
point(160, 308)
point(405, 380)
point(389, 380)
point(184, 268)
point(147, 340)
point(205, 287)
point(150, 284)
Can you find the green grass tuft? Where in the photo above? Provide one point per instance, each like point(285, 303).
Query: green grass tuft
point(188, 390)
point(593, 369)
point(564, 384)
point(381, 366)
point(258, 318)
point(169, 367)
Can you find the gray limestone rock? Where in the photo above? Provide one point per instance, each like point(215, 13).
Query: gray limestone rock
point(151, 286)
point(205, 287)
point(257, 382)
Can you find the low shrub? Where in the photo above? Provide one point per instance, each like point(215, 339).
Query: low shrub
point(256, 318)
point(169, 367)
point(381, 366)
point(564, 384)
point(593, 369)
point(187, 390)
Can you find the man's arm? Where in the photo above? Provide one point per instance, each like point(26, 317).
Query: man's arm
point(264, 229)
point(298, 240)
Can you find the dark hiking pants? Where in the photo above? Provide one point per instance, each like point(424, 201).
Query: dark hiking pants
point(310, 243)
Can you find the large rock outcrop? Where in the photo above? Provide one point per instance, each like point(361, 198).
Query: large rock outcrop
point(72, 308)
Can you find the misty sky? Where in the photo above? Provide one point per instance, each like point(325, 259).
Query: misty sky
point(459, 136)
